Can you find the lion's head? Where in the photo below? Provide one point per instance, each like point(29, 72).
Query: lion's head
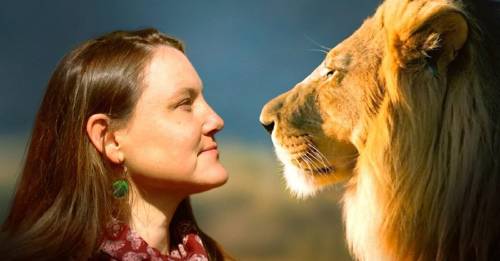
point(405, 111)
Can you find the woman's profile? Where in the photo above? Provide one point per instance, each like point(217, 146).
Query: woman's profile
point(122, 138)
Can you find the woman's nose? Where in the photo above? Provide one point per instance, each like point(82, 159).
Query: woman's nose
point(213, 122)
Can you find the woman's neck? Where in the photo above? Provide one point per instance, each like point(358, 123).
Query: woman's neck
point(151, 212)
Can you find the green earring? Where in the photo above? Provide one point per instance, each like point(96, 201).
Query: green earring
point(120, 188)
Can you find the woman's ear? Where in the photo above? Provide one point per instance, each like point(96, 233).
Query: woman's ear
point(103, 139)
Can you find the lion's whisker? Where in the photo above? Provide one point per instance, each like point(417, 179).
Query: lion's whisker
point(318, 50)
point(323, 158)
point(318, 44)
point(315, 157)
point(307, 161)
point(319, 160)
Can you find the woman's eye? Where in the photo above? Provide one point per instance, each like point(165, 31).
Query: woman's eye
point(186, 104)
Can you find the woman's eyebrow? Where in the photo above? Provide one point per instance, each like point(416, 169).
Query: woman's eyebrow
point(191, 90)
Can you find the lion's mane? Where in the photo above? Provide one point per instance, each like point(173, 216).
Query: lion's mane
point(431, 197)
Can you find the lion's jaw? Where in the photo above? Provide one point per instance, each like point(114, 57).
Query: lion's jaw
point(300, 180)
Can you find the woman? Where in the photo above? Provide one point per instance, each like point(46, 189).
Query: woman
point(122, 138)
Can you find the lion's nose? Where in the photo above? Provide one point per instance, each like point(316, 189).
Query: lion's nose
point(268, 116)
point(270, 111)
point(269, 126)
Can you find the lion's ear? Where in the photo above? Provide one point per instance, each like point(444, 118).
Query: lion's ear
point(432, 37)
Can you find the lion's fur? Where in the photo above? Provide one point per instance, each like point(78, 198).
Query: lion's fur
point(426, 183)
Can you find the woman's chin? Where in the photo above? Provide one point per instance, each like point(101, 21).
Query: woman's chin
point(217, 175)
point(212, 176)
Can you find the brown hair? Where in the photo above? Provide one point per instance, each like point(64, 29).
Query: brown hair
point(64, 196)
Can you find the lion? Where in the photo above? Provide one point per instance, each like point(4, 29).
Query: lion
point(405, 112)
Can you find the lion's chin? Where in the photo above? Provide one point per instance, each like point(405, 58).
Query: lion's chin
point(301, 183)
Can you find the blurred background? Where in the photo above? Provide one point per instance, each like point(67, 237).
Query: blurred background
point(246, 52)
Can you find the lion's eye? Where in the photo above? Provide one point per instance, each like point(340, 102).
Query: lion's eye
point(331, 73)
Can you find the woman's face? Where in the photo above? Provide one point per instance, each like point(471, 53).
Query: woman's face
point(169, 141)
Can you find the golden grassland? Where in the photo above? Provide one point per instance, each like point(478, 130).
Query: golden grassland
point(252, 216)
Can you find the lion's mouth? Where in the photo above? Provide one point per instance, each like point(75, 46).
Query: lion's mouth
point(313, 162)
point(306, 169)
point(303, 153)
point(300, 173)
point(319, 171)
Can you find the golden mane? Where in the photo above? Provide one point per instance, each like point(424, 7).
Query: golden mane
point(433, 197)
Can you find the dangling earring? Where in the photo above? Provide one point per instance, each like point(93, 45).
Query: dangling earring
point(120, 186)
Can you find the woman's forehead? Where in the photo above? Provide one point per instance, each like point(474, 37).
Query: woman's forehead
point(171, 69)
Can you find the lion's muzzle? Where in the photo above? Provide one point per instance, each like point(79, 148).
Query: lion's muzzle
point(270, 113)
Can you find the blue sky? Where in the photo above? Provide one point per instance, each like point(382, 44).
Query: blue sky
point(246, 52)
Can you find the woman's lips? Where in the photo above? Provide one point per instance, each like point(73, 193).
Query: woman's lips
point(209, 149)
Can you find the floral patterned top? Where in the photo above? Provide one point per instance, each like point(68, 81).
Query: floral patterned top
point(120, 243)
